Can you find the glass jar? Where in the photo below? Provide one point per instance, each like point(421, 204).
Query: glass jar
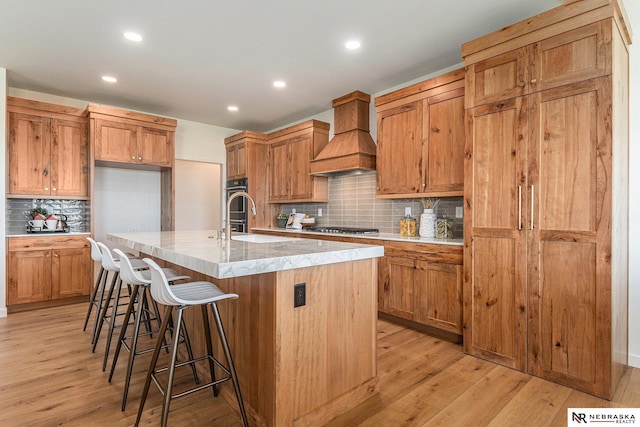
point(444, 228)
point(408, 226)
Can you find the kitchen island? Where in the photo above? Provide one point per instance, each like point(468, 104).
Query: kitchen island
point(297, 365)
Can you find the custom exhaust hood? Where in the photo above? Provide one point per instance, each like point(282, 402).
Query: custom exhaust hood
point(351, 150)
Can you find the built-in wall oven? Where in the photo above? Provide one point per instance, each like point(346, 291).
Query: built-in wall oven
point(238, 211)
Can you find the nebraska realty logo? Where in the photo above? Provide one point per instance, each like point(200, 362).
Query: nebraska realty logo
point(582, 416)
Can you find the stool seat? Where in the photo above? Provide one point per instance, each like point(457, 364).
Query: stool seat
point(197, 293)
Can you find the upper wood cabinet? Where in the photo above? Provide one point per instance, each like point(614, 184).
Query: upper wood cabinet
point(247, 158)
point(421, 139)
point(546, 201)
point(121, 136)
point(290, 153)
point(48, 149)
point(569, 57)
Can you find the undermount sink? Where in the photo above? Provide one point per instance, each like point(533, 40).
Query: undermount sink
point(260, 238)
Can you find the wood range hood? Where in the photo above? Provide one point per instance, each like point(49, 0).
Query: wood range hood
point(351, 150)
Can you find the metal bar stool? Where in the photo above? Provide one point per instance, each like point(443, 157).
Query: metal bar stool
point(140, 281)
point(98, 290)
point(180, 297)
point(113, 298)
point(97, 295)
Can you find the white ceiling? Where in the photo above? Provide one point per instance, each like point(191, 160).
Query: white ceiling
point(198, 56)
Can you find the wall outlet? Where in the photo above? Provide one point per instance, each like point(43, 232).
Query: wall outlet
point(458, 211)
point(293, 210)
point(407, 211)
point(299, 294)
point(319, 212)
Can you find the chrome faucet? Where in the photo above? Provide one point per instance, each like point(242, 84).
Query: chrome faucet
point(227, 229)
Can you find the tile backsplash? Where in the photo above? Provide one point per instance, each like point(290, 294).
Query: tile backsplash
point(76, 211)
point(353, 203)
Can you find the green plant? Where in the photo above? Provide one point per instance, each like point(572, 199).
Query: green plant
point(39, 210)
point(282, 216)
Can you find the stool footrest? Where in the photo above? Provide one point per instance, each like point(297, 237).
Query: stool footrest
point(198, 388)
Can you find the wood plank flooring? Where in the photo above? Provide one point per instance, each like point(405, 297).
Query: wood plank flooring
point(49, 377)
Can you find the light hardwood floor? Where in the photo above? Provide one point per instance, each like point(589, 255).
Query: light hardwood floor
point(49, 377)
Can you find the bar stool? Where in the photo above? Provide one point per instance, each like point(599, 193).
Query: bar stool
point(99, 288)
point(96, 256)
point(180, 297)
point(140, 281)
point(111, 265)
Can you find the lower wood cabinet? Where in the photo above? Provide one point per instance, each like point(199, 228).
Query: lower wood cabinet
point(425, 292)
point(47, 268)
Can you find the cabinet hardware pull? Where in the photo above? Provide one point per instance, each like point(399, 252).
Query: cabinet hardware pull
point(46, 188)
point(519, 207)
point(54, 189)
point(520, 84)
point(533, 81)
point(133, 157)
point(140, 158)
point(533, 199)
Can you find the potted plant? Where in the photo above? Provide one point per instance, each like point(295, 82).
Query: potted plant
point(38, 213)
point(282, 220)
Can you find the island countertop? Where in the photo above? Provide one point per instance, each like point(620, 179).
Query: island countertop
point(202, 252)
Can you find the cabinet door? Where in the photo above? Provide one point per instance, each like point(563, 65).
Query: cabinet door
point(115, 142)
point(301, 182)
point(443, 126)
point(501, 77)
point(237, 161)
point(29, 154)
point(155, 147)
point(571, 57)
point(29, 274)
point(280, 166)
point(569, 243)
point(69, 158)
point(439, 295)
point(398, 278)
point(399, 150)
point(495, 272)
point(70, 273)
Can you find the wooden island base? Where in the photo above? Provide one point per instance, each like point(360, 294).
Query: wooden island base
point(298, 366)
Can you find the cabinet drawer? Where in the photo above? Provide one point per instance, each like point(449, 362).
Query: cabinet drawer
point(46, 242)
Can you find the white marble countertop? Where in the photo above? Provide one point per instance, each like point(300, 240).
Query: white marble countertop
point(199, 251)
point(378, 236)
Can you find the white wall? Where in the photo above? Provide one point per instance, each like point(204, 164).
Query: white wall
point(633, 12)
point(198, 195)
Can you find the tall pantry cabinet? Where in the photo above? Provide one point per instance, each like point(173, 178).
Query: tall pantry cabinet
point(546, 196)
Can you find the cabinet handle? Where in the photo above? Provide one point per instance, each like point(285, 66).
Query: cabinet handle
point(519, 207)
point(424, 185)
point(533, 199)
point(520, 84)
point(133, 157)
point(533, 81)
point(46, 188)
point(54, 189)
point(140, 158)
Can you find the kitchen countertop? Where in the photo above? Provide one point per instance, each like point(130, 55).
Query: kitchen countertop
point(199, 251)
point(379, 236)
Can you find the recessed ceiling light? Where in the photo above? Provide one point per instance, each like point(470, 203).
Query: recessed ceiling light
point(279, 83)
point(109, 79)
point(134, 37)
point(232, 108)
point(352, 44)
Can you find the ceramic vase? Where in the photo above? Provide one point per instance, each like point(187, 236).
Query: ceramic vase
point(428, 224)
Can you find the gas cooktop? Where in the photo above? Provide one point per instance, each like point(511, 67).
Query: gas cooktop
point(343, 230)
